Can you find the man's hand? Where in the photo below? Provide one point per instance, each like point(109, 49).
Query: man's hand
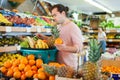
point(41, 36)
point(60, 46)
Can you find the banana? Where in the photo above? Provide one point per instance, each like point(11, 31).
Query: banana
point(31, 42)
point(46, 46)
point(36, 46)
point(39, 43)
point(42, 44)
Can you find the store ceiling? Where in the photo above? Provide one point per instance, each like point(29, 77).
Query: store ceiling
point(83, 6)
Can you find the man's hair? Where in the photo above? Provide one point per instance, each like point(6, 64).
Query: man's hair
point(60, 8)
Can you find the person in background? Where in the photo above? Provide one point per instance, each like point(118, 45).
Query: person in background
point(70, 34)
point(102, 39)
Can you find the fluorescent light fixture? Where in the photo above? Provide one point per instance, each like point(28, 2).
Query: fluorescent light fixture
point(98, 5)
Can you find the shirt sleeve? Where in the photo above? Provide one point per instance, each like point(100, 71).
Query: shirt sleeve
point(77, 38)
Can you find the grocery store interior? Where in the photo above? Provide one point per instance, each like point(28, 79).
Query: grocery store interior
point(30, 40)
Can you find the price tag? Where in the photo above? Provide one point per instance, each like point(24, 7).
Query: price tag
point(18, 47)
point(91, 31)
point(8, 29)
point(39, 29)
point(48, 30)
point(110, 40)
point(108, 31)
point(28, 29)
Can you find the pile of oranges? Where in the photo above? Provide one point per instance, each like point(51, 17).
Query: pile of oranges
point(27, 67)
point(111, 69)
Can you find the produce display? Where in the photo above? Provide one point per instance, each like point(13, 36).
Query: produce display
point(9, 18)
point(39, 43)
point(107, 24)
point(9, 40)
point(111, 69)
point(28, 67)
point(29, 42)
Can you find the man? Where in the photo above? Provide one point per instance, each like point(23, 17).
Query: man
point(70, 34)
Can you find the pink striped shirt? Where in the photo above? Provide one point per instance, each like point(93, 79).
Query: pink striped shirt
point(71, 36)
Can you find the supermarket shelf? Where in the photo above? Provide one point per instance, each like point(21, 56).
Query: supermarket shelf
point(107, 31)
point(108, 40)
point(21, 29)
point(113, 40)
point(93, 31)
point(8, 49)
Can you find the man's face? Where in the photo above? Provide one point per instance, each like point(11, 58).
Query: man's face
point(58, 17)
point(100, 29)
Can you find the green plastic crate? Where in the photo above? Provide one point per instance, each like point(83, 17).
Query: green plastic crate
point(47, 55)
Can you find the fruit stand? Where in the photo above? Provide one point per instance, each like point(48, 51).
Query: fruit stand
point(25, 55)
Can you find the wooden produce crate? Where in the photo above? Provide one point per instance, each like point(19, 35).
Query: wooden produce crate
point(63, 78)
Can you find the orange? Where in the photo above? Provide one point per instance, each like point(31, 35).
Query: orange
point(10, 72)
point(41, 75)
point(16, 62)
point(34, 72)
point(13, 66)
point(23, 77)
point(31, 56)
point(15, 69)
point(17, 74)
point(34, 68)
point(54, 64)
point(40, 69)
point(28, 73)
point(51, 77)
point(44, 41)
point(21, 66)
point(35, 76)
point(27, 68)
point(3, 69)
point(24, 61)
point(62, 65)
point(31, 62)
point(39, 63)
point(7, 64)
point(58, 41)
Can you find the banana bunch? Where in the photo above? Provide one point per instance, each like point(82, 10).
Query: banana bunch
point(41, 44)
point(4, 20)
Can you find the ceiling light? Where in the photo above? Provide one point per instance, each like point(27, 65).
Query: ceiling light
point(98, 5)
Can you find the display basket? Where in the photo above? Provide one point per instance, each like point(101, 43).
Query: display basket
point(47, 55)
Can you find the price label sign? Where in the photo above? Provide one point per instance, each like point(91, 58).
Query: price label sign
point(110, 40)
point(91, 31)
point(107, 31)
point(8, 29)
point(18, 47)
point(48, 30)
point(39, 29)
point(28, 29)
